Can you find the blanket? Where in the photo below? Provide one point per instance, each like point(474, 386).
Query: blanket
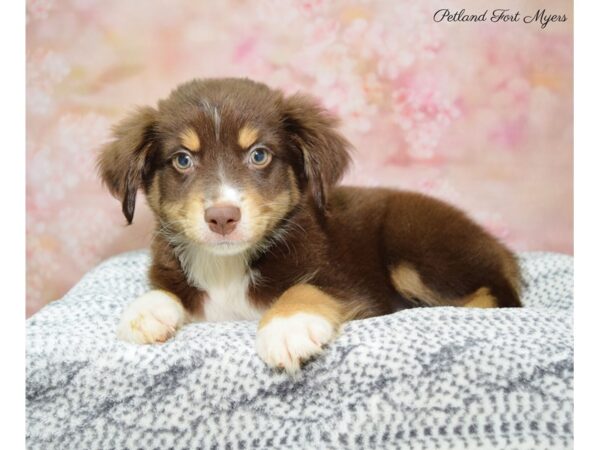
point(422, 378)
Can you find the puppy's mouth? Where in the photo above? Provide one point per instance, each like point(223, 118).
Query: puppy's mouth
point(225, 246)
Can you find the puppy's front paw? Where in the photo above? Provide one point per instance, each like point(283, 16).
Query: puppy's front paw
point(285, 342)
point(153, 317)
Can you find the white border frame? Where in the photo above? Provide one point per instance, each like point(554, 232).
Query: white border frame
point(587, 223)
point(12, 235)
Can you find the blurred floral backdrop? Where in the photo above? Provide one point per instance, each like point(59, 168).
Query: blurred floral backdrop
point(479, 114)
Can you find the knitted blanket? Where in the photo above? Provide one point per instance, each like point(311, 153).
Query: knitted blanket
point(421, 378)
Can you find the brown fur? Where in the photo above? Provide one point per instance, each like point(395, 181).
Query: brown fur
point(166, 274)
point(364, 251)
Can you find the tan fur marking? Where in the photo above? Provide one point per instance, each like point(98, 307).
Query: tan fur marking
point(408, 282)
point(247, 136)
point(304, 298)
point(264, 213)
point(184, 215)
point(295, 192)
point(154, 195)
point(279, 207)
point(173, 210)
point(190, 140)
point(482, 298)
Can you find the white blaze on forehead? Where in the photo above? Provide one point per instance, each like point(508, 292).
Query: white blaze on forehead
point(213, 113)
point(229, 194)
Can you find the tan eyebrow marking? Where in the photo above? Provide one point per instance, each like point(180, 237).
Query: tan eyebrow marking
point(247, 136)
point(190, 140)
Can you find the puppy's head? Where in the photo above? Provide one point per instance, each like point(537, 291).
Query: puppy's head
point(223, 161)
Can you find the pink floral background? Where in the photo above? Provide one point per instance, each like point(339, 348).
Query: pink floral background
point(479, 114)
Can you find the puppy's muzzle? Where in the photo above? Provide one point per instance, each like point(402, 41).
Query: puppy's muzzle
point(222, 219)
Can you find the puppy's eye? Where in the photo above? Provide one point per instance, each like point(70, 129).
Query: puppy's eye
point(182, 161)
point(260, 157)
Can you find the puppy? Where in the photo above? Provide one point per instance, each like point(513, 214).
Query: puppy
point(251, 226)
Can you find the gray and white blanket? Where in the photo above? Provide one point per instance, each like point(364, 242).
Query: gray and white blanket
point(422, 378)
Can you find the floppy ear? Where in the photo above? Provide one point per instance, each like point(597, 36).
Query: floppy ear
point(122, 162)
point(324, 150)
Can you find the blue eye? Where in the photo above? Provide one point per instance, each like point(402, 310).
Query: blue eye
point(260, 157)
point(182, 161)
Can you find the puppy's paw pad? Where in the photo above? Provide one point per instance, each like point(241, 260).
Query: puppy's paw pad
point(153, 317)
point(285, 342)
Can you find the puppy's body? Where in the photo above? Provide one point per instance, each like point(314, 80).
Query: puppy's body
point(250, 225)
point(377, 250)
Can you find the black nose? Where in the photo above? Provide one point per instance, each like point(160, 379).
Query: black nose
point(222, 219)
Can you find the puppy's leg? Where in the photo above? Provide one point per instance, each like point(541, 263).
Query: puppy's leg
point(152, 317)
point(437, 256)
point(159, 313)
point(482, 298)
point(297, 326)
point(407, 280)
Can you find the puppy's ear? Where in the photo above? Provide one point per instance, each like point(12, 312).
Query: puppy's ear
point(325, 151)
point(122, 162)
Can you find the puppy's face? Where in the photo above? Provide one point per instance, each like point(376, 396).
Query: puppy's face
point(222, 176)
point(223, 162)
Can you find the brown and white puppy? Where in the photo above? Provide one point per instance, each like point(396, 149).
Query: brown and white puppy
point(250, 225)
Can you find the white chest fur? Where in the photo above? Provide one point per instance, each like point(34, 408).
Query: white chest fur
point(225, 279)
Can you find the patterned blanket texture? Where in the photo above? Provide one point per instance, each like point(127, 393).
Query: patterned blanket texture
point(421, 378)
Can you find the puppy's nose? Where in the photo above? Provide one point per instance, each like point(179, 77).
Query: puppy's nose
point(222, 219)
